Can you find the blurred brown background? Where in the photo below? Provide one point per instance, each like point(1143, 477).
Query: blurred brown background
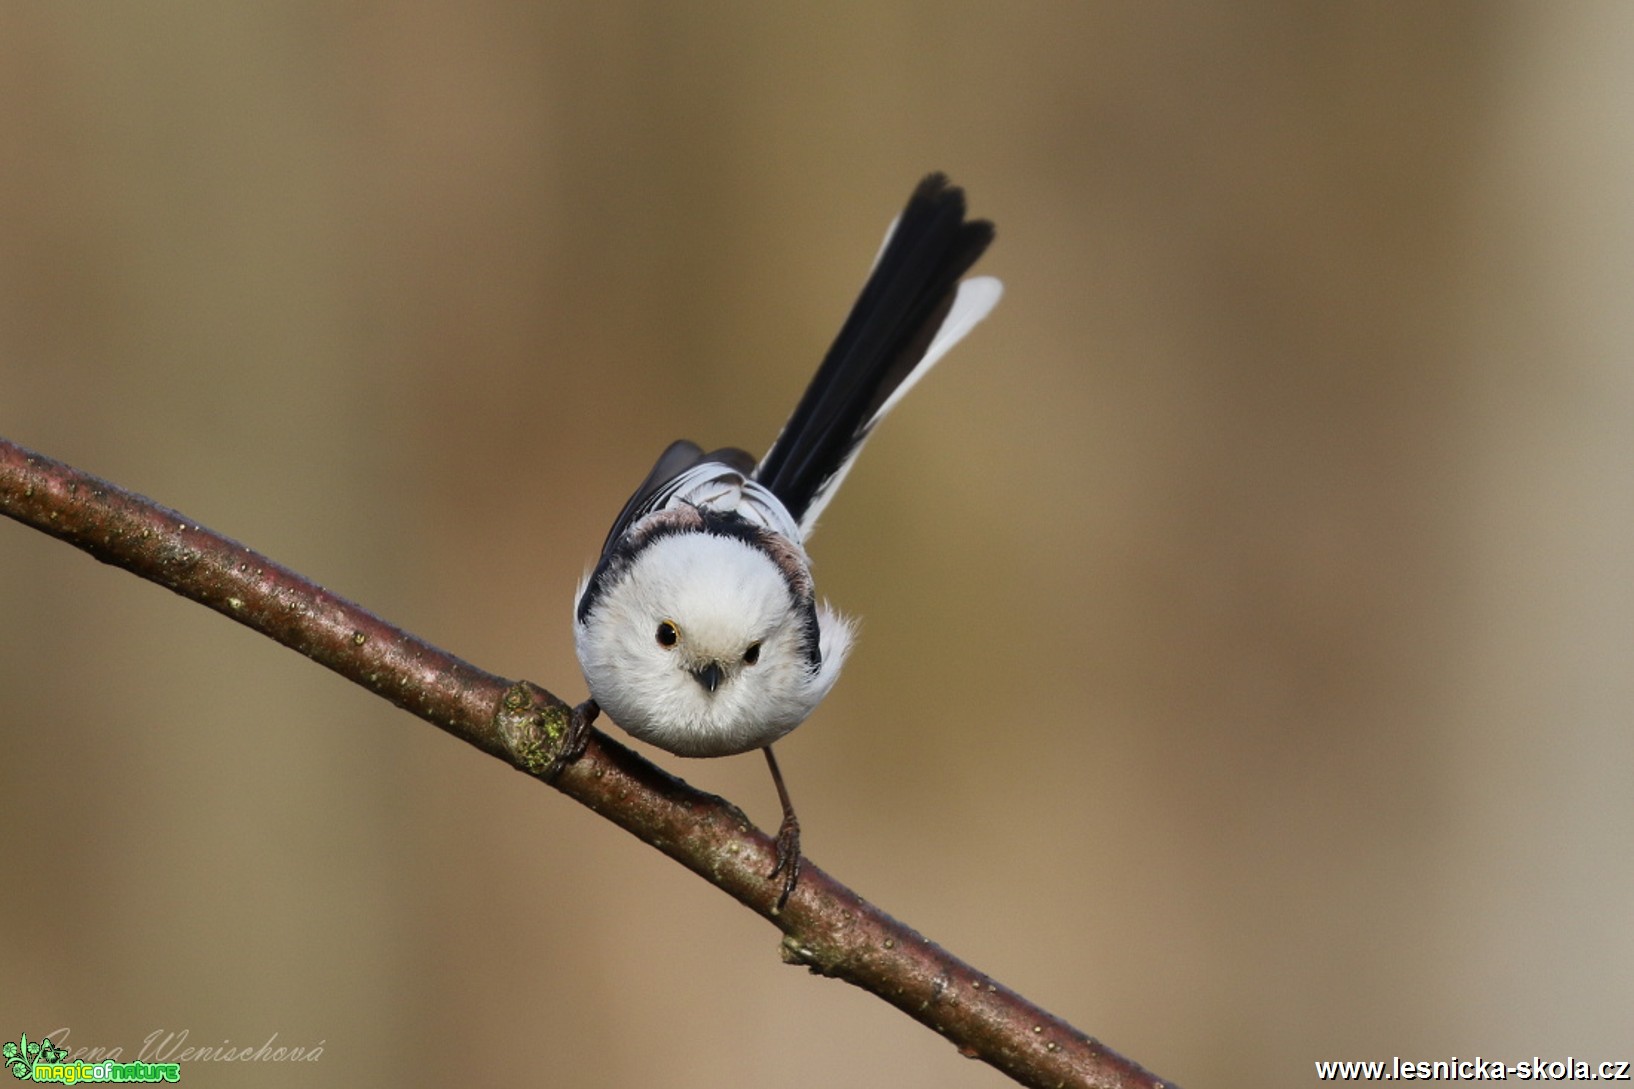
point(1248, 606)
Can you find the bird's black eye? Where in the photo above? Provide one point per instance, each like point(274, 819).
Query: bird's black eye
point(752, 655)
point(668, 633)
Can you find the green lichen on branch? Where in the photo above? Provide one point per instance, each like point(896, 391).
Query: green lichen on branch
point(537, 729)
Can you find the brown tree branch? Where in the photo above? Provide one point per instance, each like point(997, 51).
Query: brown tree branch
point(826, 926)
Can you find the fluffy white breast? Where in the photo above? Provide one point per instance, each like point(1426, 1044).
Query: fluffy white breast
point(722, 597)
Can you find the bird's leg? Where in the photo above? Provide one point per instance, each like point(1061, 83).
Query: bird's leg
point(788, 837)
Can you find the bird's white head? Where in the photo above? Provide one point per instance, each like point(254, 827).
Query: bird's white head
point(710, 644)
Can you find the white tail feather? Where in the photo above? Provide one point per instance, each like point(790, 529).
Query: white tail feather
point(975, 300)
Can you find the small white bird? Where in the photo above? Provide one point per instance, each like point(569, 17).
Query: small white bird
point(699, 630)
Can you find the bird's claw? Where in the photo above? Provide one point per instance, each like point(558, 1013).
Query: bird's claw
point(788, 859)
point(577, 740)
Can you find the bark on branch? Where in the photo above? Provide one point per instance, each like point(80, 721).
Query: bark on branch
point(825, 925)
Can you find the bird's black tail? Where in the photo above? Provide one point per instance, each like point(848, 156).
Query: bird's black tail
point(909, 296)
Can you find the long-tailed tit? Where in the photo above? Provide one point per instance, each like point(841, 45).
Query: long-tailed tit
point(699, 629)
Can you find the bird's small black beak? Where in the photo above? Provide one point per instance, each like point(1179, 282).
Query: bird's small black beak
point(709, 676)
